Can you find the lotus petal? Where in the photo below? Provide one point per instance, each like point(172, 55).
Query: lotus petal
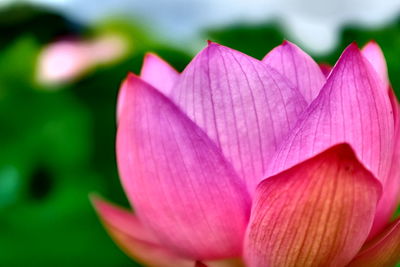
point(391, 188)
point(396, 108)
point(134, 239)
point(181, 186)
point(121, 99)
point(158, 73)
point(349, 109)
point(246, 107)
point(373, 53)
point(298, 67)
point(317, 213)
point(222, 263)
point(383, 251)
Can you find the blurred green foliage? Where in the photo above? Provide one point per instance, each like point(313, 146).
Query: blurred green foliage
point(57, 143)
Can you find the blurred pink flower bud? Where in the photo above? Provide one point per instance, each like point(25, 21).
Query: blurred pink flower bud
point(67, 60)
point(63, 61)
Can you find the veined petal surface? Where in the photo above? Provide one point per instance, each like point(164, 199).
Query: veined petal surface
point(134, 239)
point(296, 65)
point(351, 108)
point(383, 251)
point(180, 185)
point(373, 53)
point(158, 73)
point(317, 213)
point(246, 107)
point(391, 188)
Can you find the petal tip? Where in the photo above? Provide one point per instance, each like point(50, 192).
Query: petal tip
point(344, 151)
point(94, 197)
point(352, 50)
point(353, 47)
point(149, 56)
point(131, 77)
point(212, 44)
point(98, 202)
point(372, 44)
point(287, 43)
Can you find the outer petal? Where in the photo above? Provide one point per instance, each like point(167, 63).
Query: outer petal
point(383, 251)
point(317, 213)
point(373, 53)
point(121, 99)
point(222, 263)
point(298, 67)
point(181, 186)
point(387, 205)
point(134, 239)
point(244, 106)
point(391, 189)
point(158, 73)
point(396, 107)
point(349, 109)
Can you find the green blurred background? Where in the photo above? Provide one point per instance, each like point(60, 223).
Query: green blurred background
point(57, 140)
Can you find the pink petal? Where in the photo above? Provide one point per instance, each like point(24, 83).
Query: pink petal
point(395, 106)
point(383, 251)
point(134, 239)
point(158, 73)
point(317, 213)
point(222, 263)
point(388, 203)
point(243, 105)
point(349, 109)
point(373, 53)
point(391, 188)
point(298, 67)
point(181, 186)
point(121, 99)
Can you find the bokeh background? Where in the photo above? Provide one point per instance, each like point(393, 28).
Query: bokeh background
point(61, 64)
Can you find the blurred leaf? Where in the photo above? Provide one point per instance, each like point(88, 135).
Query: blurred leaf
point(253, 40)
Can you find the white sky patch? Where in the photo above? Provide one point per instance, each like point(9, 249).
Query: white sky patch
point(314, 24)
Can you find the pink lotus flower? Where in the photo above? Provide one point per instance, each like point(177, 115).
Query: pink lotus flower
point(267, 163)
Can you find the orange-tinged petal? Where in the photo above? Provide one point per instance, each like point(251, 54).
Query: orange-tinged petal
point(134, 239)
point(317, 213)
point(382, 251)
point(221, 263)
